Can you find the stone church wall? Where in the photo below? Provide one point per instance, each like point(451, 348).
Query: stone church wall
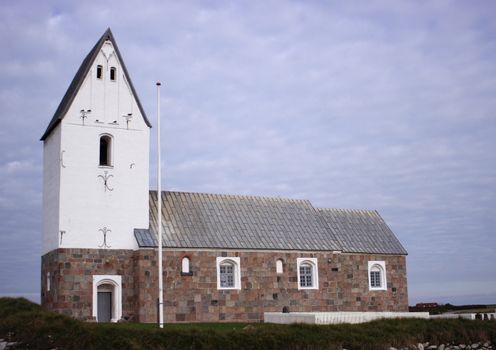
point(343, 286)
point(194, 297)
point(71, 279)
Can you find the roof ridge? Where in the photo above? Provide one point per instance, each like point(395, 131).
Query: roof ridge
point(260, 197)
point(355, 210)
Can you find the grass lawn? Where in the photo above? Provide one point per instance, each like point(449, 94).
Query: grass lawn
point(35, 328)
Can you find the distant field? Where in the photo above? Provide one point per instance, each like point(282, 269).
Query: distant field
point(475, 310)
point(34, 328)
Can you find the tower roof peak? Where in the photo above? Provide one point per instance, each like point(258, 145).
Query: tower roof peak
point(78, 79)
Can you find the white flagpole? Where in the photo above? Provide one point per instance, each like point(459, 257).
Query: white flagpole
point(159, 220)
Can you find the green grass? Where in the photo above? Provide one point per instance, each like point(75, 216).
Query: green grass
point(221, 327)
point(35, 328)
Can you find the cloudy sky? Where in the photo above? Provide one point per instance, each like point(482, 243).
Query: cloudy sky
point(386, 105)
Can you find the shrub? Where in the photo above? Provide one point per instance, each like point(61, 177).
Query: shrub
point(35, 328)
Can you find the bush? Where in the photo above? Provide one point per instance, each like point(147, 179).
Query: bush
point(34, 328)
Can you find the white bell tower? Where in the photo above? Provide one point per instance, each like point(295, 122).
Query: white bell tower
point(96, 155)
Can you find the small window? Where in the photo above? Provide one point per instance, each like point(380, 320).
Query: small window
point(99, 71)
point(375, 278)
point(48, 282)
point(228, 273)
point(377, 275)
point(112, 73)
point(185, 265)
point(279, 266)
point(308, 277)
point(105, 150)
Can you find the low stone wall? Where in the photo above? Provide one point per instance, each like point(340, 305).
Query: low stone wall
point(336, 317)
point(469, 316)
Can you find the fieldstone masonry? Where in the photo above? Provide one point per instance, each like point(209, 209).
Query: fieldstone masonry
point(71, 279)
point(343, 284)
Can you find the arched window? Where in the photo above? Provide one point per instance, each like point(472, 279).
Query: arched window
point(228, 273)
point(377, 275)
point(308, 277)
point(113, 71)
point(279, 266)
point(185, 265)
point(105, 150)
point(99, 71)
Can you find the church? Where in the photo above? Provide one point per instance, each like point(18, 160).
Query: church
point(225, 257)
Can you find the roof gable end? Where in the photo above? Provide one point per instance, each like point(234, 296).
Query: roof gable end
point(78, 80)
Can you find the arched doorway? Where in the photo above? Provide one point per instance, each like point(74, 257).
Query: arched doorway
point(107, 298)
point(104, 296)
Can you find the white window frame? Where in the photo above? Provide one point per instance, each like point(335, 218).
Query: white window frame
point(279, 266)
point(315, 272)
point(185, 265)
point(116, 282)
point(235, 261)
point(381, 266)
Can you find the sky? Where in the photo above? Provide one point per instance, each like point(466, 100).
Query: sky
point(385, 105)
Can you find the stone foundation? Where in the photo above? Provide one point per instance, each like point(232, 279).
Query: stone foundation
point(194, 297)
point(71, 279)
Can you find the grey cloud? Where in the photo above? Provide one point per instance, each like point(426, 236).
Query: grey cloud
point(377, 105)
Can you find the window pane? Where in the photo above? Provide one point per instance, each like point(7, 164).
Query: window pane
point(226, 276)
point(375, 279)
point(306, 276)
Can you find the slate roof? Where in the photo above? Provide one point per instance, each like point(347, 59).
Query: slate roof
point(361, 231)
point(78, 81)
point(199, 220)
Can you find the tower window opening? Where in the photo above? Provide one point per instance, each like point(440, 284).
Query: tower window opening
point(99, 70)
point(105, 150)
point(112, 73)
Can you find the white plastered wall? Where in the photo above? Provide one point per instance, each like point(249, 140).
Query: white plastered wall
point(87, 208)
point(52, 163)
